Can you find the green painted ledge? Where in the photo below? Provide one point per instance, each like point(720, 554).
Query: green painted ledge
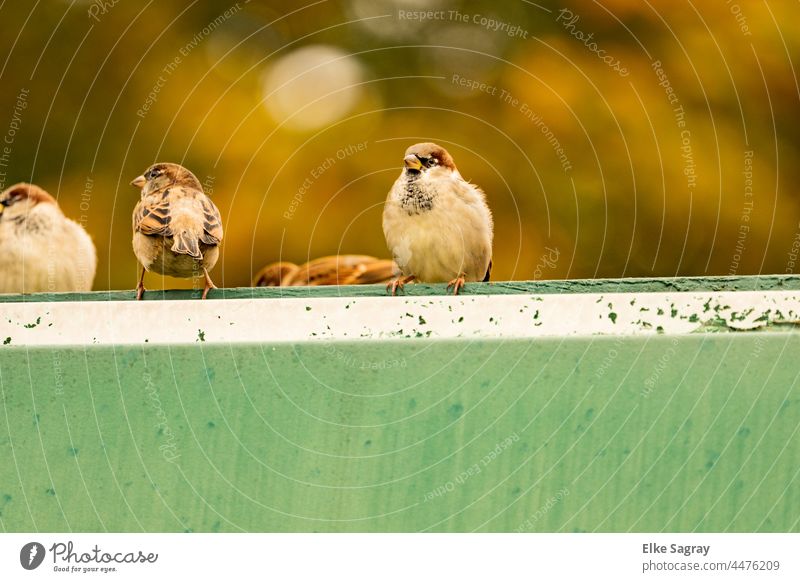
point(629, 285)
point(694, 432)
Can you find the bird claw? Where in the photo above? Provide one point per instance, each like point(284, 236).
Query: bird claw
point(395, 285)
point(140, 285)
point(208, 286)
point(457, 284)
point(206, 289)
point(398, 283)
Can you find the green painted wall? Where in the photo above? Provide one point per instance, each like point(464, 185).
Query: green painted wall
point(642, 433)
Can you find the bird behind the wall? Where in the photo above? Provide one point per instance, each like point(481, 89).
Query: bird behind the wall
point(332, 270)
point(41, 250)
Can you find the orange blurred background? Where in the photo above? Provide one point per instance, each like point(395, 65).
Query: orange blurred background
point(617, 138)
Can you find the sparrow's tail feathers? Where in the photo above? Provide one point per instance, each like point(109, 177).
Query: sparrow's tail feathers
point(488, 272)
point(208, 239)
point(185, 243)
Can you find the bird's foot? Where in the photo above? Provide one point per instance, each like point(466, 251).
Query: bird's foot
point(140, 285)
point(457, 284)
point(209, 285)
point(399, 283)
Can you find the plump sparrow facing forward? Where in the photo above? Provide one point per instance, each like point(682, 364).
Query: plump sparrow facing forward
point(177, 229)
point(437, 225)
point(41, 249)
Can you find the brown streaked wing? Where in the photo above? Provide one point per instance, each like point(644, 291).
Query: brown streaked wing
point(324, 271)
point(274, 274)
point(331, 270)
point(212, 222)
point(344, 270)
point(380, 271)
point(151, 216)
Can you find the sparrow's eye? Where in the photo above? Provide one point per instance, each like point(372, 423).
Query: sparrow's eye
point(152, 174)
point(12, 197)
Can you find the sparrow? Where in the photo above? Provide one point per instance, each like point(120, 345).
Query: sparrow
point(177, 229)
point(437, 225)
point(40, 248)
point(332, 270)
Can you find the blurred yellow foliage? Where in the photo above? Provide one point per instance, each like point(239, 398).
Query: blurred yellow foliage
point(641, 174)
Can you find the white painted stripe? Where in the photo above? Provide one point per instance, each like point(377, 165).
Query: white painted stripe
point(342, 318)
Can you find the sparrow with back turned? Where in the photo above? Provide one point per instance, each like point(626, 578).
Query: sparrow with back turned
point(40, 248)
point(177, 229)
point(437, 225)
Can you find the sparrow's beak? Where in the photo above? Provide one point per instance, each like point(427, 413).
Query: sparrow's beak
point(412, 162)
point(139, 182)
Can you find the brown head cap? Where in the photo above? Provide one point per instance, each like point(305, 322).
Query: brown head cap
point(165, 175)
point(23, 191)
point(430, 155)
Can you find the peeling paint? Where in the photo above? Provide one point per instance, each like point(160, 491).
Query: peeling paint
point(365, 318)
